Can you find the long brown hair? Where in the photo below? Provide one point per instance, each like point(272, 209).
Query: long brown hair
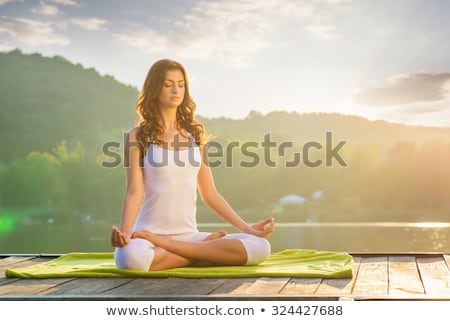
point(147, 107)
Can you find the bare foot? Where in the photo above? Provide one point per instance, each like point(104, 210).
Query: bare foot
point(157, 240)
point(215, 236)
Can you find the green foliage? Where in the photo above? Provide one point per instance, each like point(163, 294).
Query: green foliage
point(46, 100)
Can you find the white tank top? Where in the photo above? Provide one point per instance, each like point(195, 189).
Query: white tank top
point(170, 190)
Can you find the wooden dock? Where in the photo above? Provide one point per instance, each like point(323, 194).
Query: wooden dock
point(375, 277)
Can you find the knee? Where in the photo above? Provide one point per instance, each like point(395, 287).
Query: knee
point(130, 258)
point(261, 251)
point(258, 248)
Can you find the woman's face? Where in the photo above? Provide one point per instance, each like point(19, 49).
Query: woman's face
point(172, 91)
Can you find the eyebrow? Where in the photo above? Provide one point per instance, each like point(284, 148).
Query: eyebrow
point(182, 80)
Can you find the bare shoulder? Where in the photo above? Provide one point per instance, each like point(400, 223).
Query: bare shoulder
point(132, 133)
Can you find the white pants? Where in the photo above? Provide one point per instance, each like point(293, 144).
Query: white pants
point(139, 253)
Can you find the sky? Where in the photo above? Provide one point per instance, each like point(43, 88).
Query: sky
point(379, 59)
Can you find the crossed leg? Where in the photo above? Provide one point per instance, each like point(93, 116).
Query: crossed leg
point(214, 250)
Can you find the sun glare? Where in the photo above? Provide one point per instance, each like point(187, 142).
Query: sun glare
point(432, 224)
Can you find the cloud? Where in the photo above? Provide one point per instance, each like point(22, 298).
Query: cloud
point(421, 109)
point(66, 2)
point(31, 32)
point(428, 114)
point(320, 26)
point(46, 10)
point(406, 89)
point(232, 31)
point(3, 2)
point(90, 23)
point(321, 30)
point(6, 47)
point(337, 1)
point(147, 40)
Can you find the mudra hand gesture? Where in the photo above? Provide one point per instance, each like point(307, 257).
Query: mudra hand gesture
point(262, 229)
point(118, 239)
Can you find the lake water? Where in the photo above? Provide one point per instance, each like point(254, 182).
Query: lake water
point(378, 237)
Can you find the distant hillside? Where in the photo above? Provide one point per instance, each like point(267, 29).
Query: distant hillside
point(296, 127)
point(45, 100)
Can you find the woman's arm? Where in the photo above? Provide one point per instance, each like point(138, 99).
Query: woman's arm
point(216, 202)
point(134, 192)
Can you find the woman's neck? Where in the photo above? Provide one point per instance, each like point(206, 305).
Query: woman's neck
point(169, 119)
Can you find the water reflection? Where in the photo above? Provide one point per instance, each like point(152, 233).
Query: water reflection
point(380, 237)
point(359, 237)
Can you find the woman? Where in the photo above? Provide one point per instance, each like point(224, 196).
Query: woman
point(167, 165)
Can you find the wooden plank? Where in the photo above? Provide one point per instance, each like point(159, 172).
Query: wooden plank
point(10, 260)
point(372, 278)
point(301, 286)
point(85, 286)
point(404, 277)
point(381, 277)
point(16, 286)
point(13, 262)
point(4, 280)
point(166, 287)
point(138, 287)
point(29, 287)
point(233, 285)
point(17, 262)
point(264, 286)
point(340, 287)
point(435, 275)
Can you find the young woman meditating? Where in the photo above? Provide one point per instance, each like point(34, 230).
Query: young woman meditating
point(167, 166)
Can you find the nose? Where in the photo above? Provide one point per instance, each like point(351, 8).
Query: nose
point(175, 89)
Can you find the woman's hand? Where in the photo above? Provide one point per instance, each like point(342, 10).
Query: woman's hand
point(261, 229)
point(118, 239)
point(146, 235)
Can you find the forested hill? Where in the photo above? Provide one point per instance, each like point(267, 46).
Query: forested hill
point(46, 100)
point(293, 126)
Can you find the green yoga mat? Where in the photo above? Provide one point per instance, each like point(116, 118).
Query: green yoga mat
point(291, 263)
